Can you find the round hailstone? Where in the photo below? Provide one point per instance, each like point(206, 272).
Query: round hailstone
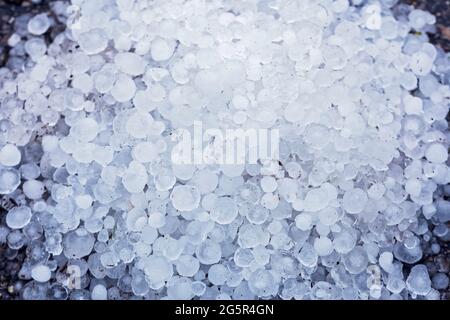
point(413, 105)
point(164, 179)
point(270, 201)
point(385, 260)
point(418, 280)
point(440, 281)
point(243, 257)
point(18, 217)
point(224, 211)
point(436, 153)
point(251, 236)
point(149, 234)
point(93, 41)
point(317, 136)
point(39, 24)
point(269, 184)
point(99, 292)
point(308, 256)
point(123, 89)
point(83, 201)
point(354, 200)
point(413, 187)
point(78, 244)
point(217, 274)
point(315, 200)
point(184, 172)
point(262, 283)
point(49, 143)
point(303, 221)
point(10, 155)
point(421, 63)
point(323, 246)
point(145, 152)
point(33, 189)
point(85, 130)
point(41, 273)
point(206, 181)
point(138, 125)
point(161, 50)
point(130, 63)
point(328, 216)
point(143, 101)
point(257, 214)
point(135, 177)
point(156, 220)
point(356, 260)
point(180, 290)
point(208, 252)
point(232, 170)
point(158, 269)
point(185, 197)
point(187, 265)
point(136, 219)
point(344, 242)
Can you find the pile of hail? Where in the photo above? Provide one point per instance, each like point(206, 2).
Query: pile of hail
point(346, 210)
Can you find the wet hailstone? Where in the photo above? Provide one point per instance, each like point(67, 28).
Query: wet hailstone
point(9, 155)
point(185, 198)
point(18, 217)
point(87, 130)
point(418, 281)
point(39, 24)
point(41, 273)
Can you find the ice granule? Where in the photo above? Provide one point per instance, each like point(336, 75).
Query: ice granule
point(89, 123)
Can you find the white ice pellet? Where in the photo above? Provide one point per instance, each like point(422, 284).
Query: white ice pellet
point(303, 221)
point(161, 50)
point(137, 125)
point(99, 292)
point(268, 184)
point(135, 177)
point(418, 281)
point(385, 261)
point(33, 189)
point(185, 198)
point(85, 130)
point(217, 274)
point(352, 198)
point(356, 260)
point(13, 40)
point(130, 63)
point(123, 89)
point(145, 152)
point(323, 246)
point(93, 41)
point(38, 24)
point(208, 252)
point(41, 273)
point(224, 210)
point(157, 269)
point(18, 217)
point(436, 153)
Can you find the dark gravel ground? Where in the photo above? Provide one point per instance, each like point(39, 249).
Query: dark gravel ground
point(11, 260)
